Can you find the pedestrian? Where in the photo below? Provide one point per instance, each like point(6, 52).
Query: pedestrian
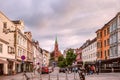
point(97, 70)
point(88, 70)
point(76, 69)
point(92, 69)
point(34, 69)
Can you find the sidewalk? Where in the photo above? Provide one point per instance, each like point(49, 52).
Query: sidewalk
point(20, 76)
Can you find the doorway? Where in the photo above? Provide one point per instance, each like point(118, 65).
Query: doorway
point(1, 69)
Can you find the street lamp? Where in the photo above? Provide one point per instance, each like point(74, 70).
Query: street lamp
point(99, 65)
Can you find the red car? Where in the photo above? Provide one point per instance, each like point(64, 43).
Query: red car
point(45, 70)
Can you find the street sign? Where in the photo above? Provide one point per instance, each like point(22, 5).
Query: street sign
point(38, 63)
point(23, 57)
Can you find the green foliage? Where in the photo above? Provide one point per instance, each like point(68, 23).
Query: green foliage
point(70, 57)
point(61, 61)
point(61, 58)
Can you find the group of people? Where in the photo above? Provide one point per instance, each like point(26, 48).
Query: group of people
point(91, 69)
point(88, 69)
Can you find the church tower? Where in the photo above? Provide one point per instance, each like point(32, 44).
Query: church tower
point(56, 53)
point(56, 49)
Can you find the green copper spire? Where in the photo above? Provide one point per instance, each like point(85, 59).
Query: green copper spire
point(56, 40)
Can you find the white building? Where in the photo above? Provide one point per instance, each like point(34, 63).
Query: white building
point(115, 37)
point(20, 45)
point(89, 51)
point(38, 57)
point(46, 58)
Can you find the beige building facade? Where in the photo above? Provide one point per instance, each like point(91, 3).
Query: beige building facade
point(7, 48)
point(29, 61)
point(20, 46)
point(37, 57)
point(46, 58)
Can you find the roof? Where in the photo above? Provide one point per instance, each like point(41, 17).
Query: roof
point(108, 22)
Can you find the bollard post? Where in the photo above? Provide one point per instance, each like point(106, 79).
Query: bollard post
point(74, 75)
point(40, 73)
point(57, 77)
point(49, 77)
point(66, 76)
point(32, 76)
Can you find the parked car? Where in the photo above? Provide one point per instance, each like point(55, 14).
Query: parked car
point(62, 70)
point(45, 70)
point(51, 69)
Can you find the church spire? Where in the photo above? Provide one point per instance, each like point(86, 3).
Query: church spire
point(56, 40)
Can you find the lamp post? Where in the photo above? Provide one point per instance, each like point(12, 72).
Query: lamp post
point(99, 65)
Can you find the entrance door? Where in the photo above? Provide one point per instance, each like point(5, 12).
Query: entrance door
point(1, 69)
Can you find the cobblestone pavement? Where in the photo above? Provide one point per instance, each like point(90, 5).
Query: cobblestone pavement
point(62, 76)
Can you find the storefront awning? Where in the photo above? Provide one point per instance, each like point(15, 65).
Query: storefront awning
point(3, 61)
point(13, 60)
point(17, 62)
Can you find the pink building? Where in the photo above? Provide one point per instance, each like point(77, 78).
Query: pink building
point(79, 55)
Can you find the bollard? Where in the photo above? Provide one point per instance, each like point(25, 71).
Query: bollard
point(32, 76)
point(57, 77)
point(49, 77)
point(40, 74)
point(40, 77)
point(74, 75)
point(66, 76)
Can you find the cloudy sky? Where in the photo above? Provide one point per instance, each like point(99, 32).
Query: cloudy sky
point(72, 21)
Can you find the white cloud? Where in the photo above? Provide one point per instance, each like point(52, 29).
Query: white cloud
point(73, 21)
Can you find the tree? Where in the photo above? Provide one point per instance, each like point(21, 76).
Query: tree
point(70, 57)
point(61, 61)
point(60, 58)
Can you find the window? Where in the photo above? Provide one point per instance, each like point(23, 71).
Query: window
point(10, 50)
point(108, 52)
point(101, 44)
point(107, 30)
point(104, 32)
point(97, 44)
point(4, 24)
point(100, 34)
point(97, 35)
point(107, 41)
point(105, 53)
point(104, 42)
point(101, 54)
point(1, 47)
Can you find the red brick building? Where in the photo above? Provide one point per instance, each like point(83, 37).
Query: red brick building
point(56, 53)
